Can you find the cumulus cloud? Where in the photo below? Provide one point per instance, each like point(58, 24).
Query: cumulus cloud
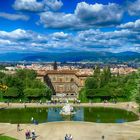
point(29, 5)
point(114, 41)
point(27, 40)
point(93, 40)
point(60, 35)
point(98, 13)
point(17, 34)
point(35, 6)
point(84, 16)
point(13, 16)
point(53, 4)
point(58, 20)
point(133, 7)
point(131, 25)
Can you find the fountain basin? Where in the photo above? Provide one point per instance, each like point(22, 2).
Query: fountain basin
point(52, 114)
point(67, 110)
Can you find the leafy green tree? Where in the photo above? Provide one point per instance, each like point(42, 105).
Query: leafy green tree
point(2, 74)
point(38, 83)
point(13, 81)
point(136, 92)
point(2, 67)
point(11, 92)
point(37, 92)
point(97, 71)
point(107, 74)
point(24, 84)
point(25, 73)
point(104, 85)
point(91, 83)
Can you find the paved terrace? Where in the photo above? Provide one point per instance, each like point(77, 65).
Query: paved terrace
point(79, 130)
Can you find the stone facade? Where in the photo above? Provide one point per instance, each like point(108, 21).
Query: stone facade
point(64, 83)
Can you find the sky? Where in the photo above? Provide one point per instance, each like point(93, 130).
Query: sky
point(69, 25)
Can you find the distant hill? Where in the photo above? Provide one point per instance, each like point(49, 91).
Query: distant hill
point(72, 56)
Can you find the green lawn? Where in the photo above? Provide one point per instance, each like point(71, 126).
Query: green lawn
point(6, 138)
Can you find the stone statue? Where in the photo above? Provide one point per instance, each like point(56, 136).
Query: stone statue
point(67, 110)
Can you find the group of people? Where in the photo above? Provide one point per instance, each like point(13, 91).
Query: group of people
point(68, 137)
point(29, 134)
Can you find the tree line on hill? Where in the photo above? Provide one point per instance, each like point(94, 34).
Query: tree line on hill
point(103, 85)
point(23, 85)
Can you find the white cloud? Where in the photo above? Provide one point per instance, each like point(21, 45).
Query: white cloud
point(13, 16)
point(60, 35)
point(94, 40)
point(5, 42)
point(35, 6)
point(84, 16)
point(29, 5)
point(133, 7)
point(131, 25)
point(99, 13)
point(53, 4)
point(115, 41)
point(17, 34)
point(58, 20)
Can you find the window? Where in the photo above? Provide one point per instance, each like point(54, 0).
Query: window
point(72, 80)
point(54, 79)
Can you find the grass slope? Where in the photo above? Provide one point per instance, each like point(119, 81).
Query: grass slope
point(6, 138)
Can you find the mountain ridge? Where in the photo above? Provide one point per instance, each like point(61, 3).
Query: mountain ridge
point(71, 56)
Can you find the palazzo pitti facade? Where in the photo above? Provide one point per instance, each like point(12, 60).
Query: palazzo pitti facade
point(64, 83)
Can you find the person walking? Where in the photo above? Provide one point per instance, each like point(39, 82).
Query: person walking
point(33, 135)
point(70, 137)
point(103, 137)
point(66, 137)
point(18, 127)
point(27, 135)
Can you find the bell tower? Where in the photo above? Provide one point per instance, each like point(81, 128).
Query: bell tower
point(55, 65)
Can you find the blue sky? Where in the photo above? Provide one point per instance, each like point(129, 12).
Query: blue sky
point(69, 25)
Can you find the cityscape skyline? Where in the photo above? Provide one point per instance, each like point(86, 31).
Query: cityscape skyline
point(67, 26)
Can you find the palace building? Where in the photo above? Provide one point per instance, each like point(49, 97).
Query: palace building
point(64, 83)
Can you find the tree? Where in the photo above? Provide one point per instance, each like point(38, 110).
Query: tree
point(37, 93)
point(2, 67)
point(23, 84)
point(2, 74)
point(91, 83)
point(104, 85)
point(37, 83)
point(97, 71)
point(137, 90)
point(13, 81)
point(11, 92)
point(25, 73)
point(55, 65)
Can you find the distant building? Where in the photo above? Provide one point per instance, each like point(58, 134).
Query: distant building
point(55, 65)
point(64, 83)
